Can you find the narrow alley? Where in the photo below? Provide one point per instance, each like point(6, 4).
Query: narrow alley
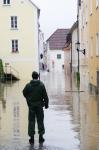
point(71, 122)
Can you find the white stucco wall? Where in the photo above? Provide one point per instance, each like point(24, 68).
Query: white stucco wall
point(74, 51)
point(54, 63)
point(41, 48)
point(26, 60)
point(67, 60)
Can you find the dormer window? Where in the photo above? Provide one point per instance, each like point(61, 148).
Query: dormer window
point(6, 2)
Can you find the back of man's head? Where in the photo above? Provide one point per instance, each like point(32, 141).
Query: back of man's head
point(35, 75)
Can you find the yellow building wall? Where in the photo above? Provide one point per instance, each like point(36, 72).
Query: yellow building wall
point(93, 29)
point(26, 60)
point(84, 42)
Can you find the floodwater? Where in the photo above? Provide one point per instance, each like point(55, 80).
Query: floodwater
point(71, 122)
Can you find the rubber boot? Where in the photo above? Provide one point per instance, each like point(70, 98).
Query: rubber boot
point(31, 140)
point(41, 139)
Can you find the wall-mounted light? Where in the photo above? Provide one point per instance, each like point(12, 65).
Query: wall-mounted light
point(77, 45)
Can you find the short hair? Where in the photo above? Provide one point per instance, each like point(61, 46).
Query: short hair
point(35, 75)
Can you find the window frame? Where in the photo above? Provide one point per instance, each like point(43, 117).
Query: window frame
point(6, 2)
point(14, 22)
point(15, 45)
point(91, 6)
point(91, 47)
point(59, 56)
point(97, 3)
point(97, 44)
point(86, 11)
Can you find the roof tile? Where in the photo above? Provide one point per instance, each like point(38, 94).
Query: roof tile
point(58, 39)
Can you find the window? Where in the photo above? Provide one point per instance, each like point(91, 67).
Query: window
point(91, 47)
point(58, 56)
point(97, 44)
point(97, 3)
point(90, 7)
point(5, 2)
point(14, 45)
point(98, 79)
point(14, 22)
point(86, 11)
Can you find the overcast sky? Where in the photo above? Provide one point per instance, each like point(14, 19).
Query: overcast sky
point(56, 14)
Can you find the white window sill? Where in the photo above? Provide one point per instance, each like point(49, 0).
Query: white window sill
point(6, 5)
point(14, 29)
point(15, 52)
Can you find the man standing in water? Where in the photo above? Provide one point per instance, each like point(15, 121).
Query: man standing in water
point(36, 97)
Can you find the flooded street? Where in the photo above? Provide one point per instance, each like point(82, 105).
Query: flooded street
point(71, 122)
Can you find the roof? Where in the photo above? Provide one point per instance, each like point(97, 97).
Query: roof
point(33, 4)
point(58, 39)
point(74, 26)
point(69, 36)
point(67, 47)
point(38, 10)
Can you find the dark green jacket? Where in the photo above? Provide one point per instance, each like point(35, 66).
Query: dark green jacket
point(35, 94)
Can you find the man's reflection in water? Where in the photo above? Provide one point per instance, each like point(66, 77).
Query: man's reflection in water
point(16, 120)
point(41, 147)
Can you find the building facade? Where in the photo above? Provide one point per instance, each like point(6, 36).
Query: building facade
point(71, 59)
point(84, 41)
point(55, 44)
point(19, 37)
point(94, 43)
point(41, 51)
point(89, 36)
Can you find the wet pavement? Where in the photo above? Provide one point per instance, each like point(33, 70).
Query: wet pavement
point(71, 122)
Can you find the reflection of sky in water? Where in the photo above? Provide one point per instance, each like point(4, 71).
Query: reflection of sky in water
point(71, 117)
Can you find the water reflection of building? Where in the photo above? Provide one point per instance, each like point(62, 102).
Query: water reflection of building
point(2, 103)
point(76, 107)
point(0, 116)
point(2, 96)
point(89, 123)
point(16, 120)
point(76, 113)
point(86, 115)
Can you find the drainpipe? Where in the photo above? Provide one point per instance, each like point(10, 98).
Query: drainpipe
point(78, 73)
point(38, 11)
point(71, 56)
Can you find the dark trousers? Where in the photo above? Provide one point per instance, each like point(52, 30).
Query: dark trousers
point(36, 113)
